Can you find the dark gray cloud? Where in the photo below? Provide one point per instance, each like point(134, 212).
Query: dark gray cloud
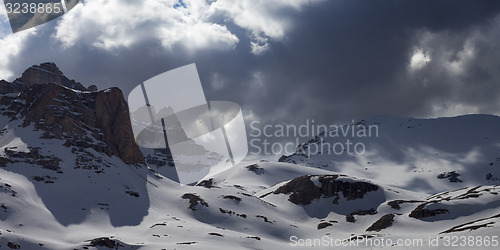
point(348, 60)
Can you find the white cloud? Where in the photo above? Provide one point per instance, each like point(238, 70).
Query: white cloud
point(258, 16)
point(462, 67)
point(451, 109)
point(114, 24)
point(419, 59)
point(11, 44)
point(450, 53)
point(259, 44)
point(463, 57)
point(4, 21)
point(263, 18)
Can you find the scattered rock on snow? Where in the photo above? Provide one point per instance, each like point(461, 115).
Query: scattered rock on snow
point(194, 200)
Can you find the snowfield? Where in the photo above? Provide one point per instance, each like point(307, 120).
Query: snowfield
point(419, 183)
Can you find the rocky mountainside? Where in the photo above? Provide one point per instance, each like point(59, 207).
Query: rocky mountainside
point(84, 119)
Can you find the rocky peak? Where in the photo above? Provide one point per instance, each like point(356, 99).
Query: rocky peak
point(47, 72)
point(7, 87)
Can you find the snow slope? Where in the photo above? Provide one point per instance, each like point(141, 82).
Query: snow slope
point(228, 217)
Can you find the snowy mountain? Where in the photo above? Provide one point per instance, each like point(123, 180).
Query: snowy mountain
point(72, 177)
point(425, 155)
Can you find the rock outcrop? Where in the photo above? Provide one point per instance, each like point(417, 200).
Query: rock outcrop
point(422, 212)
point(194, 200)
point(382, 223)
point(303, 190)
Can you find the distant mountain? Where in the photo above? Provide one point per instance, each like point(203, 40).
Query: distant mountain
point(72, 177)
point(424, 155)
